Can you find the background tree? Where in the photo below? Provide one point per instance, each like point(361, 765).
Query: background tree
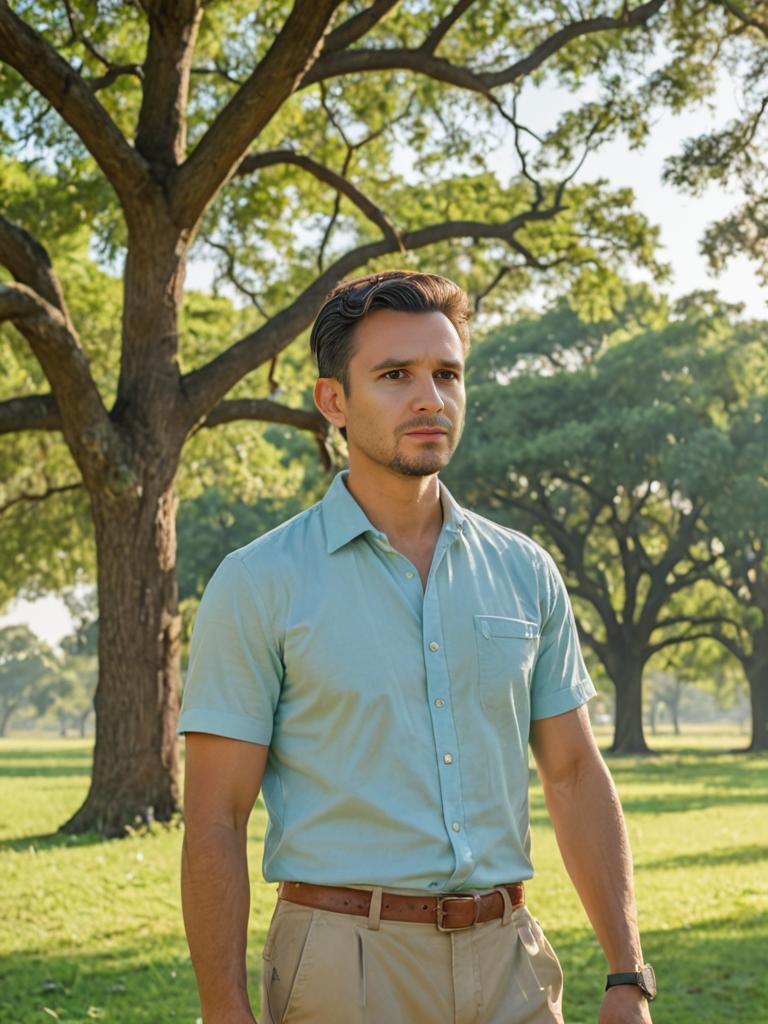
point(266, 134)
point(24, 664)
point(597, 439)
point(731, 36)
point(737, 515)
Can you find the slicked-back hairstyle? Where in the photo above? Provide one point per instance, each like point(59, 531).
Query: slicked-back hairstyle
point(404, 291)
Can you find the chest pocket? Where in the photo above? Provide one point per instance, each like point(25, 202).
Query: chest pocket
point(506, 651)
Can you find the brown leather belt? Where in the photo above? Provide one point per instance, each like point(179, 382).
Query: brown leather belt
point(448, 911)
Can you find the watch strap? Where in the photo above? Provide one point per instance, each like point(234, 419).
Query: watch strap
point(646, 986)
point(625, 978)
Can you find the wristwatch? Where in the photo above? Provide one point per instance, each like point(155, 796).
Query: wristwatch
point(644, 978)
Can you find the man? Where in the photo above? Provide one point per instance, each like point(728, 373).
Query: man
point(380, 662)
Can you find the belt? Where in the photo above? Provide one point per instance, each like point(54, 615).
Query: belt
point(447, 911)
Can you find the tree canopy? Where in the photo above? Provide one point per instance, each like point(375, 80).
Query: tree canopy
point(292, 144)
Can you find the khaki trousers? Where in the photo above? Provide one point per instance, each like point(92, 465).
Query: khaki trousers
point(326, 968)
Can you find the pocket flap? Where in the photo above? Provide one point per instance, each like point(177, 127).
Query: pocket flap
point(500, 626)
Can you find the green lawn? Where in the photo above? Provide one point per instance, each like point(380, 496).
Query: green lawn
point(91, 930)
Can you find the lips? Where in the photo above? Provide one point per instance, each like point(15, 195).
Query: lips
point(426, 433)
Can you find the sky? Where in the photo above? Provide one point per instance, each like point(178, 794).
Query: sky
point(683, 220)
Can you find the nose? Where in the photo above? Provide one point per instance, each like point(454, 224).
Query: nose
point(427, 397)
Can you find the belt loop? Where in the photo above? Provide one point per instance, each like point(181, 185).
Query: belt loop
point(374, 912)
point(506, 917)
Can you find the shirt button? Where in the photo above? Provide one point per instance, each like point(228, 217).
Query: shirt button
point(448, 758)
point(439, 703)
point(409, 575)
point(456, 826)
point(434, 647)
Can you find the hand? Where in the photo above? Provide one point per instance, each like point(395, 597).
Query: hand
point(624, 1004)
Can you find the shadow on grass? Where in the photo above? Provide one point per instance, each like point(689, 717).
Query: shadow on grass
point(31, 763)
point(131, 984)
point(677, 784)
point(727, 855)
point(51, 841)
point(707, 973)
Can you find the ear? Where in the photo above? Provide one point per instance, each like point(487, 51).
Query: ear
point(329, 399)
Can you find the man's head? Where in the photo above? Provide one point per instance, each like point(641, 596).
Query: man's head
point(404, 291)
point(390, 349)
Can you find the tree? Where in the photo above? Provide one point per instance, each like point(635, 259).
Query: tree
point(70, 687)
point(24, 663)
point(737, 515)
point(255, 130)
point(597, 438)
point(732, 36)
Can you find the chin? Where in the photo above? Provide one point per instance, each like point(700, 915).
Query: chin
point(422, 467)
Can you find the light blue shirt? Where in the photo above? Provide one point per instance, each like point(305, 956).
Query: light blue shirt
point(397, 717)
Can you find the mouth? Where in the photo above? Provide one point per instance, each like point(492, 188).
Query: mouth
point(429, 435)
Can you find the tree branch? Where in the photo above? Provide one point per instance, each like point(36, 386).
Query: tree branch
point(161, 132)
point(746, 19)
point(231, 275)
point(226, 142)
point(357, 61)
point(353, 28)
point(267, 411)
point(674, 640)
point(337, 181)
point(47, 71)
point(29, 263)
point(33, 412)
point(443, 27)
point(207, 384)
point(39, 497)
point(53, 339)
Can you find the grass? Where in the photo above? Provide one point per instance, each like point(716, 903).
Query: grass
point(91, 930)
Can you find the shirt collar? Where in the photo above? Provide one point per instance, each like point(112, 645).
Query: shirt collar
point(344, 519)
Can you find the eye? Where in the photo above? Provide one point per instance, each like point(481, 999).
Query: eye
point(393, 375)
point(447, 375)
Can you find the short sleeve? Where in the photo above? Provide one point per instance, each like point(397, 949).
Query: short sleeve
point(235, 667)
point(560, 678)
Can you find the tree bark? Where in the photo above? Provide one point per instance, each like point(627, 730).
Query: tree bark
point(757, 676)
point(135, 761)
point(5, 717)
point(628, 737)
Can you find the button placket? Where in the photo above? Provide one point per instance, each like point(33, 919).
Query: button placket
point(444, 728)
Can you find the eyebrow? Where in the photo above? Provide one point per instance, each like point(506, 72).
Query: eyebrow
point(397, 364)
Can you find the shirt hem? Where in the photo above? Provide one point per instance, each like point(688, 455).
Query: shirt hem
point(223, 723)
point(564, 700)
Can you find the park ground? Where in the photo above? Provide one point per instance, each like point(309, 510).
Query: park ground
point(91, 930)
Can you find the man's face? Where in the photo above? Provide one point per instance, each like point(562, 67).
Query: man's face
point(405, 407)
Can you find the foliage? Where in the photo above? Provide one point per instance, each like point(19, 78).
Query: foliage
point(24, 663)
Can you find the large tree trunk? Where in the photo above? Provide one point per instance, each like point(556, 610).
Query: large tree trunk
point(135, 764)
point(757, 676)
point(628, 737)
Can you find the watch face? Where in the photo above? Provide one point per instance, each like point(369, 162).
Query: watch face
point(649, 981)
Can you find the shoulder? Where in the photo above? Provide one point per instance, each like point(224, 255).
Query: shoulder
point(284, 548)
point(265, 570)
point(503, 539)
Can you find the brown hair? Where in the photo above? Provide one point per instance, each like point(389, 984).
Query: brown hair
point(405, 291)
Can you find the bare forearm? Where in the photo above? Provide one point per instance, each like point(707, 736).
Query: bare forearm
point(216, 900)
point(592, 837)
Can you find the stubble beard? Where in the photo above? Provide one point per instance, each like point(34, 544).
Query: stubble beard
point(427, 464)
point(430, 461)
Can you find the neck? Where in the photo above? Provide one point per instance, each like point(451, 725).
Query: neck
point(405, 508)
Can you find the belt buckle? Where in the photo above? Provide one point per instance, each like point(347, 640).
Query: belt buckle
point(440, 909)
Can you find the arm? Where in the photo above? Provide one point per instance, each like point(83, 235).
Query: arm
point(222, 780)
point(589, 826)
